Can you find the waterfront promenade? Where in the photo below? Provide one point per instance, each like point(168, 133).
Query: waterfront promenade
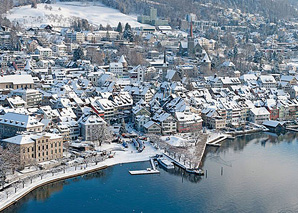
point(14, 193)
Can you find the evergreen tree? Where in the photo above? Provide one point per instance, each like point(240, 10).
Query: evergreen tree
point(128, 34)
point(119, 28)
point(78, 54)
point(127, 27)
point(235, 52)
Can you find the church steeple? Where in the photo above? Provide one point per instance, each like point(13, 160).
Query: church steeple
point(190, 41)
point(191, 30)
point(164, 67)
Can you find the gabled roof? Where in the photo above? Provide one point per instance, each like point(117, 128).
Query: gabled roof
point(20, 120)
point(149, 124)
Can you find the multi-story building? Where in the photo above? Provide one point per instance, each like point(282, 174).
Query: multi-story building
point(267, 81)
point(32, 97)
point(117, 69)
point(38, 147)
point(259, 115)
point(90, 127)
point(10, 82)
point(44, 52)
point(80, 37)
point(188, 122)
point(167, 123)
point(11, 123)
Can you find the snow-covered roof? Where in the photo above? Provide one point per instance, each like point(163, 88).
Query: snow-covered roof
point(19, 120)
point(260, 111)
point(29, 138)
point(271, 123)
point(17, 79)
point(267, 79)
point(19, 139)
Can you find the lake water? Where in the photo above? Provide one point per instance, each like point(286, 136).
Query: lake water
point(253, 173)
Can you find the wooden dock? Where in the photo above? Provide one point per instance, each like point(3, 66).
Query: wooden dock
point(148, 171)
point(218, 140)
point(144, 172)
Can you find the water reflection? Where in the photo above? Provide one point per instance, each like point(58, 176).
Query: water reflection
point(177, 171)
point(253, 173)
point(42, 193)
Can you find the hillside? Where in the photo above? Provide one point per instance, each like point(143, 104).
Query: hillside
point(63, 13)
point(173, 9)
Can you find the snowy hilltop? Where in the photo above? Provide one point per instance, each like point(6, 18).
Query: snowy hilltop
point(62, 14)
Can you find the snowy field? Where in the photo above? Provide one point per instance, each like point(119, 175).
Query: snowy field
point(62, 14)
point(175, 141)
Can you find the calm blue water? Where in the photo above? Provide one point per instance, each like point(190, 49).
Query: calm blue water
point(260, 174)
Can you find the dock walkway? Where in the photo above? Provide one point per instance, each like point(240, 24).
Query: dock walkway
point(148, 171)
point(144, 172)
point(216, 141)
point(291, 129)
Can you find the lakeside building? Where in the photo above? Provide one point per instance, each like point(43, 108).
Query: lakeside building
point(91, 125)
point(12, 123)
point(37, 147)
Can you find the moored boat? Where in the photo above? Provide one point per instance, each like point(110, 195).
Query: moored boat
point(164, 162)
point(195, 171)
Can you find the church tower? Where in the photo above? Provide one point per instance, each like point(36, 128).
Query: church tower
point(190, 41)
point(164, 67)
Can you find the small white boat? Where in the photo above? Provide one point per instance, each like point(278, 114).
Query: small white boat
point(167, 164)
point(195, 171)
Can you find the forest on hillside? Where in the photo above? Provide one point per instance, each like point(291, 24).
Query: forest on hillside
point(173, 9)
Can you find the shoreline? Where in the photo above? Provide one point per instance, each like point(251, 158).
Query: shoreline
point(100, 166)
point(26, 190)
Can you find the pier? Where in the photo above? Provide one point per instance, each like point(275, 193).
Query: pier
point(217, 141)
point(292, 129)
point(144, 172)
point(148, 171)
point(188, 169)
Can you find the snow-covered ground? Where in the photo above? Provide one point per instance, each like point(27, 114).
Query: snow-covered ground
point(62, 14)
point(175, 141)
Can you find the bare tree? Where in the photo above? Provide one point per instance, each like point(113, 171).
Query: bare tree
point(9, 161)
point(101, 134)
point(96, 56)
